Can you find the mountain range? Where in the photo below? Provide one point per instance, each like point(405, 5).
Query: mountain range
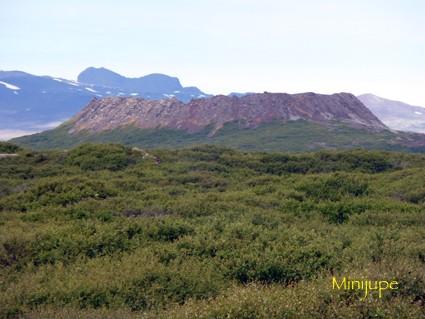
point(159, 105)
point(30, 103)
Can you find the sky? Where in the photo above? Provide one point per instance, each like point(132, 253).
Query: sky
point(223, 46)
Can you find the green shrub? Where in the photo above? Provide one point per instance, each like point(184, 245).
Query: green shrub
point(333, 187)
point(15, 252)
point(166, 230)
point(66, 191)
point(340, 212)
point(9, 148)
point(92, 157)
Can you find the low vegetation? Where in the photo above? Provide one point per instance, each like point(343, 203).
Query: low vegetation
point(8, 148)
point(299, 136)
point(107, 231)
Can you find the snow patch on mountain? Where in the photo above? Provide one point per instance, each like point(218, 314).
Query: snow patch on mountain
point(10, 86)
point(73, 83)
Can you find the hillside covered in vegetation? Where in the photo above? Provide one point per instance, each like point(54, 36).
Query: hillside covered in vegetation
point(298, 136)
point(109, 231)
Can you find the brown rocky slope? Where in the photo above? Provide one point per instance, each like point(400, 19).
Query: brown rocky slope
point(248, 111)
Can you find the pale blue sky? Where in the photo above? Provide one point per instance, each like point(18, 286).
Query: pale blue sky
point(221, 46)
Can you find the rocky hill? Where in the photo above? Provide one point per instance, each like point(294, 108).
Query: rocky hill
point(266, 122)
point(247, 111)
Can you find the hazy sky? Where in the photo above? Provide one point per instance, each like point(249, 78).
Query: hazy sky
point(221, 46)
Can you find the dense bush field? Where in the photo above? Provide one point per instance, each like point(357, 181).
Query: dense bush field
point(106, 231)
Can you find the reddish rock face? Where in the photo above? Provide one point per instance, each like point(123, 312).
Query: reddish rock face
point(249, 111)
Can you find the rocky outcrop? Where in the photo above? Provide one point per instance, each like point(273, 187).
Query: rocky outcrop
point(248, 111)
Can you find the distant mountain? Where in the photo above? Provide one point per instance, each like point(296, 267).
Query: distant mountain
point(30, 103)
point(33, 103)
point(269, 121)
point(152, 86)
point(396, 115)
point(238, 94)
